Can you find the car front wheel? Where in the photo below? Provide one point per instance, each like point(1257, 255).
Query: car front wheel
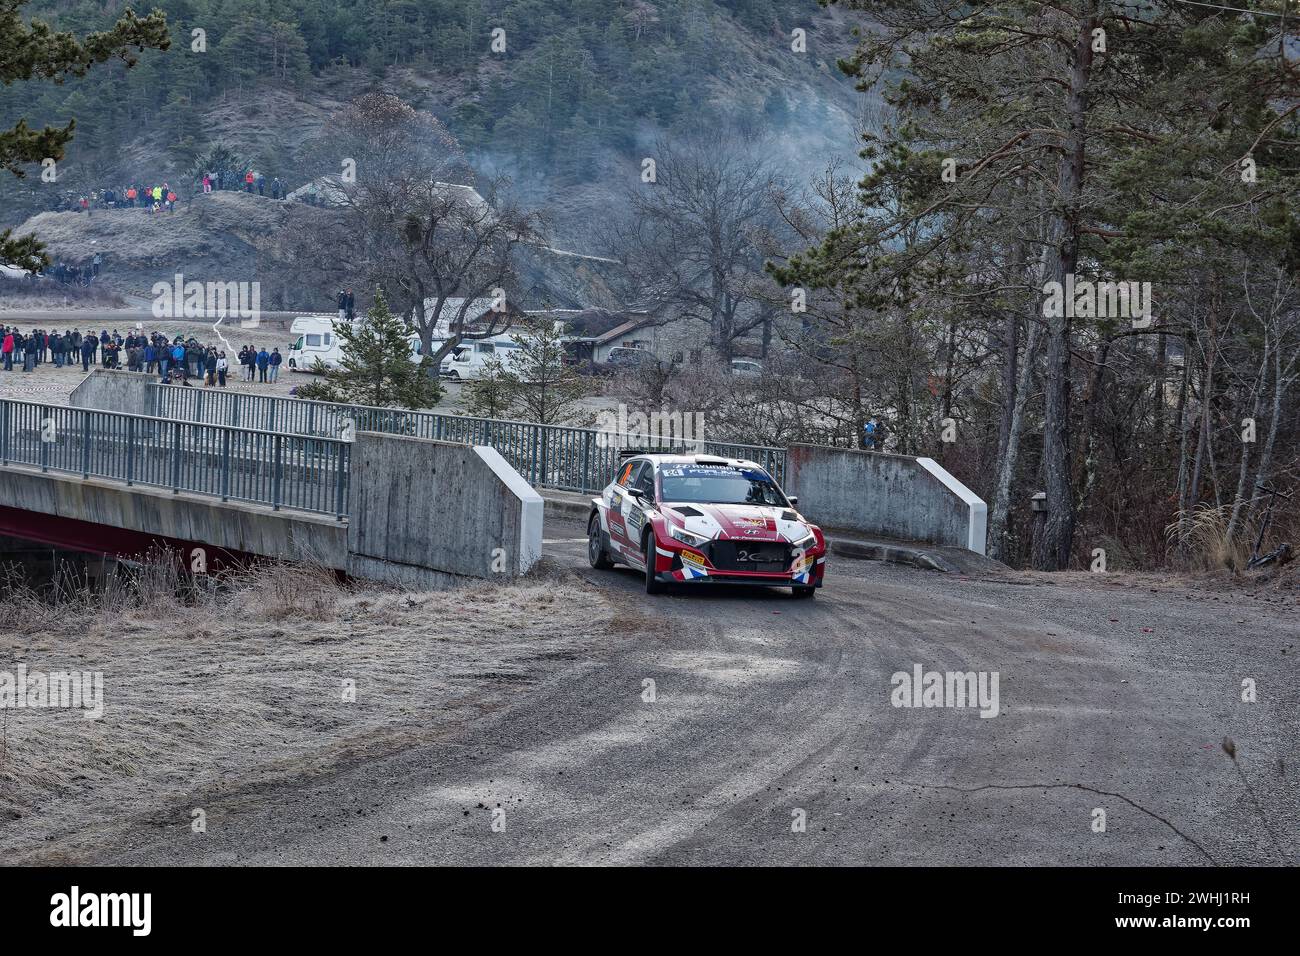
point(803, 592)
point(596, 554)
point(652, 584)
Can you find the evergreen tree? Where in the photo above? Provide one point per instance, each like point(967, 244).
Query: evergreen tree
point(547, 390)
point(492, 394)
point(376, 368)
point(32, 49)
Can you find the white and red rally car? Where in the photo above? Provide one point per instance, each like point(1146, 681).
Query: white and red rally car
point(694, 518)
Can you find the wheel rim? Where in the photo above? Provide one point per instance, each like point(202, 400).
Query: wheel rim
point(593, 541)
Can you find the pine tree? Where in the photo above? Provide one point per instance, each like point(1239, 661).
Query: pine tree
point(548, 391)
point(30, 49)
point(376, 368)
point(492, 394)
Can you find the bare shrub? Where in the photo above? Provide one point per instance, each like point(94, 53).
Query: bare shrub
point(158, 586)
point(277, 591)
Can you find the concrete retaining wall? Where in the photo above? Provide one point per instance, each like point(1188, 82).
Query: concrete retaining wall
point(894, 496)
point(112, 390)
point(420, 504)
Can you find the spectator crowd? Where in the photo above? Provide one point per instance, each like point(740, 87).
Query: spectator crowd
point(174, 361)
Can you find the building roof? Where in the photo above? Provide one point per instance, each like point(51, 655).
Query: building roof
point(477, 309)
point(620, 330)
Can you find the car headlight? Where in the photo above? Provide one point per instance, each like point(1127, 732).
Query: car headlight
point(687, 537)
point(803, 544)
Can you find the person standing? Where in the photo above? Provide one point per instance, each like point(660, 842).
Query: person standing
point(8, 349)
point(222, 366)
point(274, 367)
point(248, 181)
point(351, 306)
point(210, 366)
point(343, 305)
point(263, 362)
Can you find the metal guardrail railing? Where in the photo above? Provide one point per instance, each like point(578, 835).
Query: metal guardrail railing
point(552, 456)
point(301, 472)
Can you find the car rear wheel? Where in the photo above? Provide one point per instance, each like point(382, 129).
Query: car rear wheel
point(803, 592)
point(652, 584)
point(597, 557)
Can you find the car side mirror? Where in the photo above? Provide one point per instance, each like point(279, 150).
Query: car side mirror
point(636, 493)
point(793, 499)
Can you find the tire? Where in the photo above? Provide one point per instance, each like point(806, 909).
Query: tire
point(652, 584)
point(803, 592)
point(597, 556)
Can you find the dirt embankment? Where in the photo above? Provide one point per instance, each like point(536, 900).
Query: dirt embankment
point(287, 676)
point(220, 237)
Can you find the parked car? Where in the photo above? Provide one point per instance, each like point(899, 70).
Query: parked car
point(695, 519)
point(622, 357)
point(746, 367)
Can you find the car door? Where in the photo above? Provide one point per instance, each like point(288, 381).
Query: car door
point(636, 511)
point(616, 510)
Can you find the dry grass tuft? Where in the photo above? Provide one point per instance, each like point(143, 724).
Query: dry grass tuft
point(1200, 538)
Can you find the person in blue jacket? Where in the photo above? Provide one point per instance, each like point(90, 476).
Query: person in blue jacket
point(263, 362)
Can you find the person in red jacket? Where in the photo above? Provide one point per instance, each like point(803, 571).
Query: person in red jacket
point(8, 349)
point(248, 181)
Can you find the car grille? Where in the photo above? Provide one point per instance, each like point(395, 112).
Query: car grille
point(750, 555)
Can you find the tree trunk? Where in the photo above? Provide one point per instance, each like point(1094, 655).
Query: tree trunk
point(998, 515)
point(1052, 547)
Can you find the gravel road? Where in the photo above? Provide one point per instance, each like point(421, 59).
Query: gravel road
point(770, 738)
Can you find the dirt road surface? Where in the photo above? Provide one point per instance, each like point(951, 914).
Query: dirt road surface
point(770, 738)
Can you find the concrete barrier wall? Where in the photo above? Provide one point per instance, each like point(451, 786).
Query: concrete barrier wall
point(112, 390)
point(893, 496)
point(229, 525)
point(419, 504)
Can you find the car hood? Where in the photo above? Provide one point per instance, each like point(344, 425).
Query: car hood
point(738, 522)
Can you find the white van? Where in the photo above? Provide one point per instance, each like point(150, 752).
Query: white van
point(468, 359)
point(314, 340)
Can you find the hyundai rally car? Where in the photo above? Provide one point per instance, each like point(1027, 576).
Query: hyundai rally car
point(697, 518)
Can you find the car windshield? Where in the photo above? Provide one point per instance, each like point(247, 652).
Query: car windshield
point(720, 485)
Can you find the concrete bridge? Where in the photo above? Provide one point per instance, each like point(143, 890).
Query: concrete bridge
point(408, 511)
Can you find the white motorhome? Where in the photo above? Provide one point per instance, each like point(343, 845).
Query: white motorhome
point(468, 359)
point(314, 340)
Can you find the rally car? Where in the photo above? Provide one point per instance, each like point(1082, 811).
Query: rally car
point(698, 518)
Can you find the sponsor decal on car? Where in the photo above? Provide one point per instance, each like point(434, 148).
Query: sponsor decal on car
point(693, 566)
point(697, 560)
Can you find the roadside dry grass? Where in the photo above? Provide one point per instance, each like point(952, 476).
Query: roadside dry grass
point(17, 295)
point(221, 691)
